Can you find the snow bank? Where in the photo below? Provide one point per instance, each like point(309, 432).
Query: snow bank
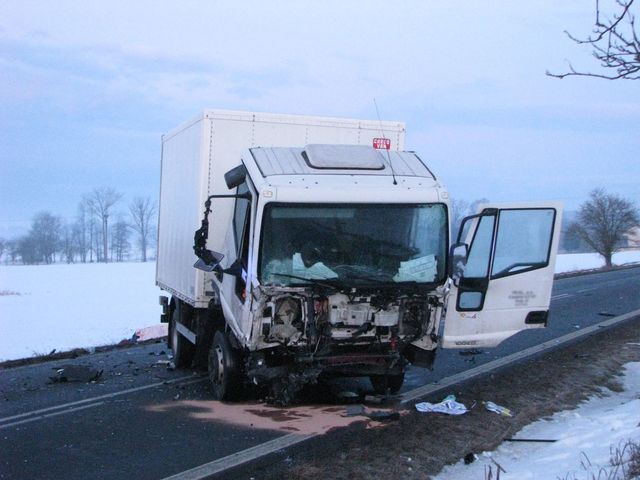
point(584, 438)
point(43, 307)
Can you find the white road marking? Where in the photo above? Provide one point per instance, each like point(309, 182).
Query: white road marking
point(239, 458)
point(272, 446)
point(100, 397)
point(561, 295)
point(48, 415)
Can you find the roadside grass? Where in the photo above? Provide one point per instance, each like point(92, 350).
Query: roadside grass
point(624, 464)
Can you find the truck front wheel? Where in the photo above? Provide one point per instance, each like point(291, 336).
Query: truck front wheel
point(224, 368)
point(183, 349)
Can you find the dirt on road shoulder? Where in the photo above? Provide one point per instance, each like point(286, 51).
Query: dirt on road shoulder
point(418, 445)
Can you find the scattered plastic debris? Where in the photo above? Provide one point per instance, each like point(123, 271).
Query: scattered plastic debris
point(355, 410)
point(377, 415)
point(383, 415)
point(495, 408)
point(348, 395)
point(76, 373)
point(376, 399)
point(466, 353)
point(447, 406)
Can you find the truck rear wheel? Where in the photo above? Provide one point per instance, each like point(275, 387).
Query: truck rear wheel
point(183, 349)
point(224, 368)
point(382, 383)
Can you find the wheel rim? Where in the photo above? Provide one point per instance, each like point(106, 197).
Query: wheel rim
point(218, 365)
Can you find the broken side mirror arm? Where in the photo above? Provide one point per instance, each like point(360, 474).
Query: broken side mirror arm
point(209, 260)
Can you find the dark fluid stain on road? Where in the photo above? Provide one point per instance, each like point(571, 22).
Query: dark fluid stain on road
point(283, 415)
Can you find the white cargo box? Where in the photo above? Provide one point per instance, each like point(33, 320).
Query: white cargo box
point(195, 158)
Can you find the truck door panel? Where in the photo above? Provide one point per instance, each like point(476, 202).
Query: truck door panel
point(235, 287)
point(508, 277)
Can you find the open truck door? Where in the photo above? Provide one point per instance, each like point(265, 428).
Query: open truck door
point(502, 274)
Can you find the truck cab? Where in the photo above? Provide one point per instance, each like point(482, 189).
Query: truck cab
point(337, 260)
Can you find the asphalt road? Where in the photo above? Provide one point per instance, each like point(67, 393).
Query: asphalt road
point(113, 428)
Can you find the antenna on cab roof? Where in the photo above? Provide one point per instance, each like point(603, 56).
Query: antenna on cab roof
point(393, 174)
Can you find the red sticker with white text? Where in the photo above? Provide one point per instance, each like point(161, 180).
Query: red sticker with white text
point(382, 143)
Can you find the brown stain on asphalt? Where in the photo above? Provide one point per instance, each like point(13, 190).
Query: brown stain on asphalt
point(303, 419)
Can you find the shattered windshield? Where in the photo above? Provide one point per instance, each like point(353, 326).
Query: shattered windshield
point(355, 244)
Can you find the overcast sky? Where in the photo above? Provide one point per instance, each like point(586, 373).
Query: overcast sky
point(88, 88)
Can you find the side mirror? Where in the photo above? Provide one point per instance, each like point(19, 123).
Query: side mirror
point(458, 254)
point(234, 177)
point(208, 261)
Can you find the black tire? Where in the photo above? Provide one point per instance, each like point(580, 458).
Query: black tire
point(183, 349)
point(382, 383)
point(224, 369)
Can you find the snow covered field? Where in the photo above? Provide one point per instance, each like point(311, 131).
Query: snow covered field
point(62, 306)
point(584, 439)
point(86, 305)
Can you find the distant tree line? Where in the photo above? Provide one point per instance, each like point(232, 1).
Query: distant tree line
point(99, 232)
point(601, 225)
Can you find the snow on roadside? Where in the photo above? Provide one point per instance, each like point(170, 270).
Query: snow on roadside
point(62, 306)
point(584, 437)
point(571, 262)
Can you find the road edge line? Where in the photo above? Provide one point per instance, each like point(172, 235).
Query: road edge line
point(99, 397)
point(237, 459)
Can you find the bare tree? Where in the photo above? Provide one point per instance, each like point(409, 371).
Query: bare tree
point(615, 44)
point(26, 248)
point(81, 231)
point(94, 243)
point(46, 231)
point(120, 240)
point(603, 220)
point(69, 243)
point(143, 211)
point(100, 202)
point(12, 250)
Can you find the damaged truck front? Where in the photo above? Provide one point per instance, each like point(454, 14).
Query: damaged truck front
point(330, 259)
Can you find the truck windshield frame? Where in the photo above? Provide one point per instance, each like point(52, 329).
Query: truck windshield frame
point(355, 245)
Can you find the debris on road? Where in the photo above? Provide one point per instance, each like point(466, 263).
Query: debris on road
point(466, 353)
point(76, 373)
point(150, 333)
point(348, 396)
point(375, 399)
point(383, 415)
point(447, 406)
point(355, 410)
point(377, 415)
point(535, 440)
point(499, 409)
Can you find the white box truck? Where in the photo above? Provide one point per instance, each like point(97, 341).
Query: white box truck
point(296, 246)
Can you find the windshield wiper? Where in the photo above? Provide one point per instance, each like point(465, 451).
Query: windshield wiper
point(322, 282)
point(362, 274)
